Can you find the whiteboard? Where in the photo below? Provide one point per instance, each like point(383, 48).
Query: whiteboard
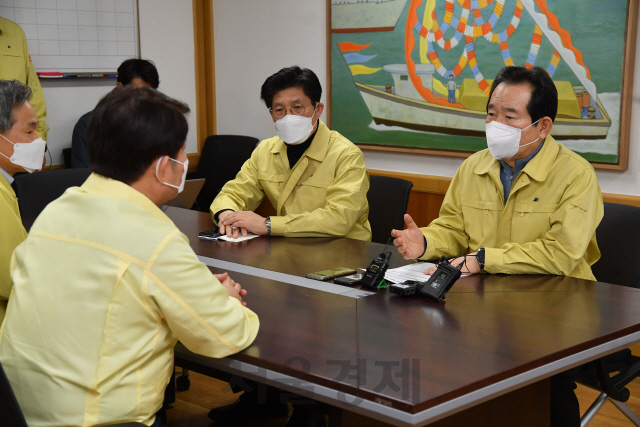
point(76, 36)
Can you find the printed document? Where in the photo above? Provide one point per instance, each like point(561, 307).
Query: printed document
point(409, 272)
point(240, 238)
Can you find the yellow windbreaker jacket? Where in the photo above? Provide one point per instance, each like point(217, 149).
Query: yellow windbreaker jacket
point(15, 64)
point(104, 286)
point(324, 194)
point(546, 227)
point(12, 233)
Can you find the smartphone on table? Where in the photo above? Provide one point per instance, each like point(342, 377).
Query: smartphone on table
point(212, 234)
point(325, 275)
point(350, 280)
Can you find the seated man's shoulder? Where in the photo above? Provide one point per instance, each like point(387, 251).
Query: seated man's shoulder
point(480, 158)
point(339, 142)
point(570, 160)
point(83, 216)
point(10, 26)
point(266, 145)
point(86, 117)
point(83, 121)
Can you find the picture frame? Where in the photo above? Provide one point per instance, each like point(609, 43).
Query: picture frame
point(378, 102)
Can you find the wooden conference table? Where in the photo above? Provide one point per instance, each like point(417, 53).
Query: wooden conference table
point(482, 358)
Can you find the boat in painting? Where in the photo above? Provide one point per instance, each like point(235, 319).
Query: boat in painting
point(350, 16)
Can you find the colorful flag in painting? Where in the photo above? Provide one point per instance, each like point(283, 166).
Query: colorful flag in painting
point(355, 60)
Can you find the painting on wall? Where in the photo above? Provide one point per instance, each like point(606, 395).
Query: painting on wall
point(415, 75)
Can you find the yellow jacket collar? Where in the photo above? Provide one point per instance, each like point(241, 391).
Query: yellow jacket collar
point(318, 148)
point(103, 185)
point(537, 168)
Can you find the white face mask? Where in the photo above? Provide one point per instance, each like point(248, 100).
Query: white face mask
point(184, 174)
point(504, 140)
point(294, 129)
point(27, 155)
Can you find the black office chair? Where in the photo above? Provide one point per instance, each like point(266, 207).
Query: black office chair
point(388, 199)
point(66, 157)
point(10, 412)
point(35, 191)
point(619, 264)
point(220, 161)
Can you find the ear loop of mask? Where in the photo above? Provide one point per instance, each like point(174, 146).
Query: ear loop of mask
point(6, 139)
point(314, 113)
point(166, 183)
point(528, 128)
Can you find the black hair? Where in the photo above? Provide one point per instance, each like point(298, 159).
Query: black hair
point(132, 127)
point(140, 68)
point(294, 76)
point(544, 96)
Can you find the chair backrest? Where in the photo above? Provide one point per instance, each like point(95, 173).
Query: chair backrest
point(220, 161)
point(36, 190)
point(66, 157)
point(10, 412)
point(618, 237)
point(388, 199)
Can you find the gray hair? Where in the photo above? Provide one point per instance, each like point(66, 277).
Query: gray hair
point(12, 95)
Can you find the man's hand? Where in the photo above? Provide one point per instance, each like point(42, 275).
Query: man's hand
point(245, 221)
point(471, 266)
point(410, 242)
point(229, 231)
point(233, 289)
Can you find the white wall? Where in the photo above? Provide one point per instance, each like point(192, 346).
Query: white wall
point(255, 38)
point(166, 37)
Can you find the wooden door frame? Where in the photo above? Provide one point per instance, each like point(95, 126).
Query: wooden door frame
point(204, 75)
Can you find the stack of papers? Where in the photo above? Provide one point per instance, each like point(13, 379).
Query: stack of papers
point(409, 272)
point(240, 238)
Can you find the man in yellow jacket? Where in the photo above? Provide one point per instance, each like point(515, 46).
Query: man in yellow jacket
point(105, 284)
point(15, 64)
point(314, 177)
point(18, 124)
point(525, 205)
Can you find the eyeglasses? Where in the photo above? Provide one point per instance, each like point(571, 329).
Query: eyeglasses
point(296, 110)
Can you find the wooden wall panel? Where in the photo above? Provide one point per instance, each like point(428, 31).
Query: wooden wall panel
point(428, 193)
point(424, 207)
point(440, 184)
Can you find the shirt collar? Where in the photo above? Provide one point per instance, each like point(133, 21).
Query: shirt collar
point(6, 175)
point(101, 184)
point(521, 163)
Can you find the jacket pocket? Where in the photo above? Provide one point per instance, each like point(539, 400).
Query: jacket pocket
point(481, 220)
point(309, 195)
point(531, 221)
point(316, 182)
point(13, 65)
point(271, 177)
point(271, 185)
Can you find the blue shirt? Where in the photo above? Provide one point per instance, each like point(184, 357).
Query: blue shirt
point(507, 175)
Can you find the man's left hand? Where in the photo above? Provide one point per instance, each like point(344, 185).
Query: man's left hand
point(471, 266)
point(247, 220)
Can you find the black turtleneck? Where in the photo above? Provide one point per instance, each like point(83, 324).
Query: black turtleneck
point(294, 152)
